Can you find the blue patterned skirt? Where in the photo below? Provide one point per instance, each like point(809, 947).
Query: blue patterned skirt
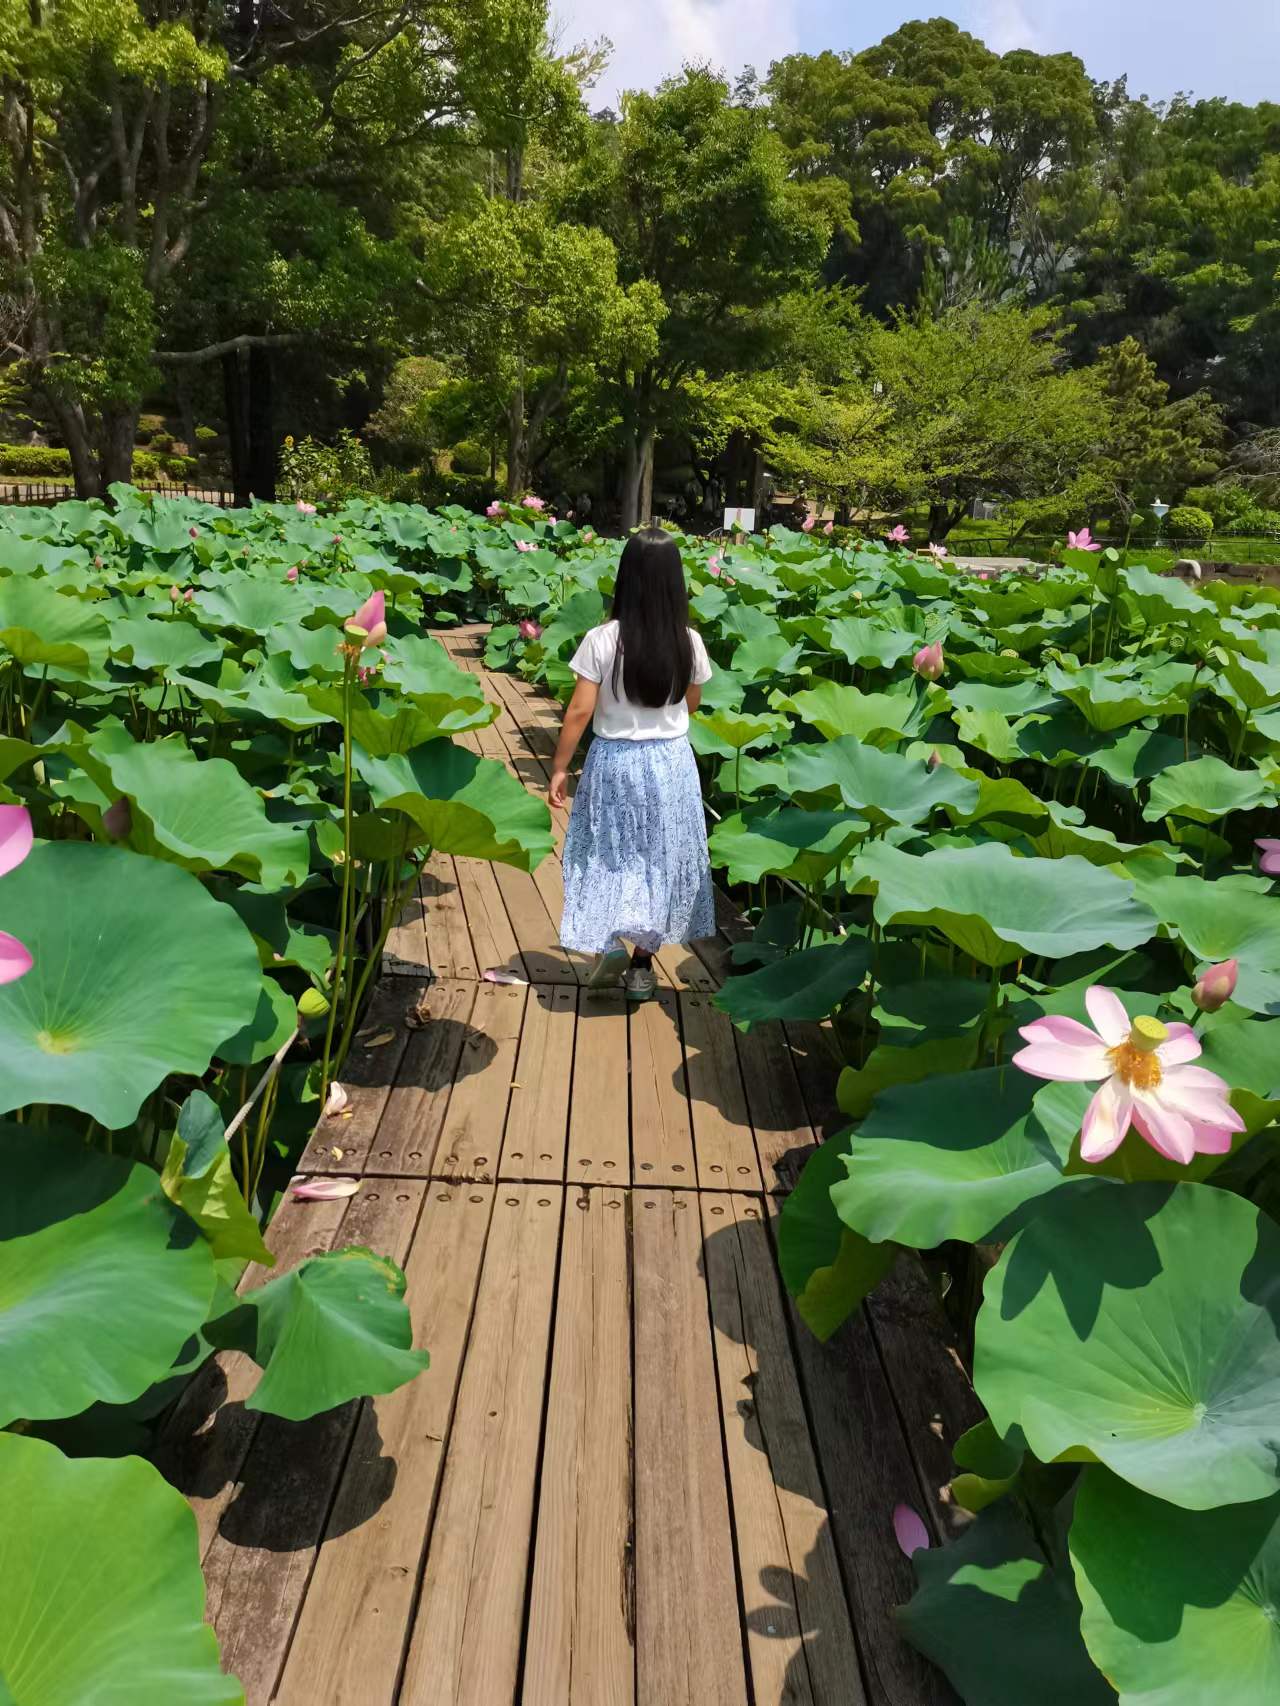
point(635, 856)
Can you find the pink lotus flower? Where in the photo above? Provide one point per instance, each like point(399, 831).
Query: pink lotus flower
point(117, 820)
point(16, 838)
point(588, 538)
point(495, 508)
point(829, 529)
point(369, 624)
point(899, 536)
point(291, 574)
point(530, 630)
point(525, 545)
point(304, 508)
point(715, 564)
point(929, 661)
point(936, 550)
point(806, 526)
point(1269, 863)
point(533, 503)
point(1083, 541)
point(1147, 1081)
point(1215, 986)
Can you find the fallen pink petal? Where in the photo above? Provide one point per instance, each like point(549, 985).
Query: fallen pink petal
point(909, 1530)
point(336, 1101)
point(324, 1190)
point(500, 974)
point(16, 837)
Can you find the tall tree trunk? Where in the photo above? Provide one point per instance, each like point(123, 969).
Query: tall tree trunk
point(517, 447)
point(186, 411)
point(629, 493)
point(262, 426)
point(233, 386)
point(75, 432)
point(119, 430)
point(646, 477)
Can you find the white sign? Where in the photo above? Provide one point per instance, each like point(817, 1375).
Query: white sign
point(739, 521)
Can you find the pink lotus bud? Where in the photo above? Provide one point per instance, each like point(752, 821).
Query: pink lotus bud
point(551, 521)
point(188, 596)
point(829, 528)
point(589, 537)
point(934, 759)
point(97, 562)
point(1269, 863)
point(806, 526)
point(304, 508)
point(244, 550)
point(194, 532)
point(292, 573)
point(530, 630)
point(1215, 986)
point(117, 820)
point(369, 623)
point(175, 593)
point(337, 539)
point(928, 661)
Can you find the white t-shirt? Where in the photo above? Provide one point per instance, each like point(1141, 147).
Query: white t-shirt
point(616, 718)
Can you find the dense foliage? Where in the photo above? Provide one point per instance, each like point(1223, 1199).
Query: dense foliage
point(224, 757)
point(1011, 836)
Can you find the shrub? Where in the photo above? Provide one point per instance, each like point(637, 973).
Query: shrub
point(146, 466)
point(470, 458)
point(312, 470)
point(148, 427)
point(178, 467)
point(1187, 521)
point(31, 461)
point(206, 435)
point(162, 441)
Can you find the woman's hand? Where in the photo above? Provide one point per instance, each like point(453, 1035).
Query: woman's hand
point(556, 790)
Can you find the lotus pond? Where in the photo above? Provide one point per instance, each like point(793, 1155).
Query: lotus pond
point(1013, 837)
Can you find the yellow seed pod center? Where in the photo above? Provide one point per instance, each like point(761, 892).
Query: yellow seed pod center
point(1146, 1034)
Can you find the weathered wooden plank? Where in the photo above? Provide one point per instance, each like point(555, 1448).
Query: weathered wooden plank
point(406, 1139)
point(818, 1063)
point(533, 1146)
point(349, 1641)
point(465, 1649)
point(779, 1117)
point(537, 934)
point(800, 1640)
point(258, 1562)
point(446, 920)
point(661, 1131)
point(688, 1637)
point(723, 1145)
point(203, 1444)
point(471, 1136)
point(930, 1383)
point(407, 952)
point(580, 1646)
point(367, 1077)
point(492, 938)
point(599, 1122)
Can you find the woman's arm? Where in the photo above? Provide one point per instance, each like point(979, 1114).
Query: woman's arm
point(578, 713)
point(693, 696)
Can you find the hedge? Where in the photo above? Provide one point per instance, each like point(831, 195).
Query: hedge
point(31, 461)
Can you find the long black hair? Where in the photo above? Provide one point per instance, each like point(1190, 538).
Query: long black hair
point(651, 608)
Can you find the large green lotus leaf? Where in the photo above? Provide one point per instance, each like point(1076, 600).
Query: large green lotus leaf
point(198, 1178)
point(415, 663)
point(101, 1280)
point(241, 600)
point(1066, 832)
point(1015, 700)
point(726, 732)
point(883, 719)
point(989, 666)
point(151, 642)
point(103, 1601)
point(1136, 756)
point(1141, 1323)
point(1162, 598)
point(1205, 790)
point(868, 645)
point(1001, 1623)
point(787, 842)
point(39, 626)
point(1253, 683)
point(827, 1268)
point(313, 651)
point(891, 1063)
point(1109, 702)
point(138, 973)
point(1219, 921)
point(1002, 799)
point(1247, 1054)
point(388, 723)
point(199, 812)
point(334, 1328)
point(989, 731)
point(884, 786)
point(999, 908)
point(275, 693)
point(954, 1156)
point(807, 985)
point(461, 804)
point(1178, 1606)
point(765, 655)
point(159, 527)
point(275, 1016)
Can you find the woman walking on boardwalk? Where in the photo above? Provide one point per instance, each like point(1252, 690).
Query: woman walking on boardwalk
point(635, 856)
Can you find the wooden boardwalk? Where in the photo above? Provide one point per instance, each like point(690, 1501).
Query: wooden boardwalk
point(630, 1477)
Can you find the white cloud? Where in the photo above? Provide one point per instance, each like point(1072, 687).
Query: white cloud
point(652, 41)
point(1004, 25)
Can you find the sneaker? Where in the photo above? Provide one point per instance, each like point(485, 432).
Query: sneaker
point(640, 983)
point(608, 970)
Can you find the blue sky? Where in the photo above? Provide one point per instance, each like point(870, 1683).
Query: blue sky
point(1209, 47)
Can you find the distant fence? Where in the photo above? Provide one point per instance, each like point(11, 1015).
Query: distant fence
point(41, 492)
point(1010, 544)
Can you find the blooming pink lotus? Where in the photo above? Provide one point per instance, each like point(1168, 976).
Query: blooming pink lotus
point(1083, 541)
point(525, 545)
point(898, 536)
point(531, 502)
point(1269, 863)
point(715, 564)
point(929, 661)
point(495, 508)
point(1215, 986)
point(369, 624)
point(829, 529)
point(806, 526)
point(936, 550)
point(530, 630)
point(16, 839)
point(304, 508)
point(552, 522)
point(1179, 1109)
point(291, 574)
